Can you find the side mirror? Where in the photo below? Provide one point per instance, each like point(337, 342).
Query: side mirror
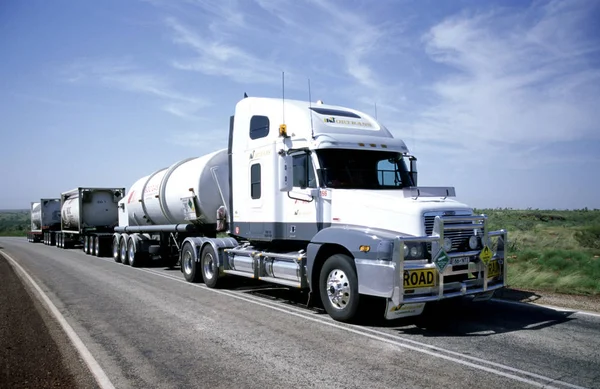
point(286, 174)
point(413, 169)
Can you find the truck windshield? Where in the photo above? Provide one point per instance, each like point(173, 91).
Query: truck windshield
point(362, 169)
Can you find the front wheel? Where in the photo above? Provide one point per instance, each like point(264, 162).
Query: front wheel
point(338, 285)
point(210, 268)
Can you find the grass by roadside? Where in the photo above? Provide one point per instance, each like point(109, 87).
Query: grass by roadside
point(555, 251)
point(14, 222)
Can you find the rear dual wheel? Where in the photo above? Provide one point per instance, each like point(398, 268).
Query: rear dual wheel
point(123, 251)
point(210, 266)
point(189, 264)
point(136, 256)
point(116, 248)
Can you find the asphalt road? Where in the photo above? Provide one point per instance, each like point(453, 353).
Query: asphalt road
point(148, 328)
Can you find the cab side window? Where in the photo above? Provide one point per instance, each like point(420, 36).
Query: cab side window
point(255, 181)
point(304, 174)
point(259, 127)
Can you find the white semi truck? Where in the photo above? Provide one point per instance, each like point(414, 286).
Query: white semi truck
point(317, 197)
point(45, 221)
point(88, 218)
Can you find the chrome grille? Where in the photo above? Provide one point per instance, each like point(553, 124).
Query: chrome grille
point(458, 238)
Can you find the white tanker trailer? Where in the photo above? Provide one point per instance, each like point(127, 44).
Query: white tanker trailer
point(186, 198)
point(88, 216)
point(323, 198)
point(45, 220)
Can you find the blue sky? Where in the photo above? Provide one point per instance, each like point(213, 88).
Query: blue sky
point(500, 99)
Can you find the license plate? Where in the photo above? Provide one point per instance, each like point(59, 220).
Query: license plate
point(493, 269)
point(460, 261)
point(421, 278)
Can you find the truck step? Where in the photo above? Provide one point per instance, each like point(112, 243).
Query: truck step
point(281, 281)
point(239, 273)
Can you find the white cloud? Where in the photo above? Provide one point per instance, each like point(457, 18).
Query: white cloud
point(518, 79)
point(217, 58)
point(340, 32)
point(122, 74)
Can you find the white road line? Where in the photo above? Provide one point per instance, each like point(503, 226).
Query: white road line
point(99, 374)
point(330, 321)
point(376, 337)
point(536, 305)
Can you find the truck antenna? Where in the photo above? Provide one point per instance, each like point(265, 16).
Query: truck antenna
point(283, 95)
point(376, 110)
point(312, 131)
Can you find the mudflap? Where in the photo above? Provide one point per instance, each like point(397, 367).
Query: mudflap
point(394, 311)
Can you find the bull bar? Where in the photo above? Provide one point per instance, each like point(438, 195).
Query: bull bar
point(479, 285)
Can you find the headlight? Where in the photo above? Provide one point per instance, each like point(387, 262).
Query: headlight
point(413, 250)
point(473, 242)
point(447, 244)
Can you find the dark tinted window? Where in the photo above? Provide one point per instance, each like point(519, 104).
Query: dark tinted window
point(335, 112)
point(304, 174)
point(255, 181)
point(358, 169)
point(259, 127)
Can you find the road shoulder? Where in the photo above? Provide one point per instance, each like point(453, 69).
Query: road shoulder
point(35, 352)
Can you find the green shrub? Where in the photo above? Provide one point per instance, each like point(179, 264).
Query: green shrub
point(589, 237)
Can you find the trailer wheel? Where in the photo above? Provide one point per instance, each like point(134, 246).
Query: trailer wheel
point(210, 269)
point(98, 252)
point(123, 251)
point(115, 248)
point(135, 256)
point(338, 284)
point(189, 264)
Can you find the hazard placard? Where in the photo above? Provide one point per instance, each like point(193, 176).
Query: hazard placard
point(441, 260)
point(486, 255)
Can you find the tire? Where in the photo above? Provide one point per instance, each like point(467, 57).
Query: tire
point(98, 252)
point(134, 256)
point(123, 251)
point(86, 244)
point(115, 249)
point(209, 268)
point(189, 264)
point(338, 287)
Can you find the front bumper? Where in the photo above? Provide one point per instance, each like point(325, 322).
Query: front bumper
point(410, 284)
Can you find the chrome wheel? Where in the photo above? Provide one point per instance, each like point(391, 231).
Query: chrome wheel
point(131, 252)
point(115, 247)
point(338, 289)
point(97, 246)
point(123, 246)
point(208, 263)
point(186, 262)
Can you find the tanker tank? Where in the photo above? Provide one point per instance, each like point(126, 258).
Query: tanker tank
point(36, 217)
point(89, 207)
point(45, 214)
point(188, 192)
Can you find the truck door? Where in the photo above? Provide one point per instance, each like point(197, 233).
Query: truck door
point(303, 206)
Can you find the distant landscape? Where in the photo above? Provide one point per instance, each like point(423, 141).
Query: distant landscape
point(549, 250)
point(14, 222)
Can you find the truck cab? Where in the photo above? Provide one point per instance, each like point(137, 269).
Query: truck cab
point(332, 186)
